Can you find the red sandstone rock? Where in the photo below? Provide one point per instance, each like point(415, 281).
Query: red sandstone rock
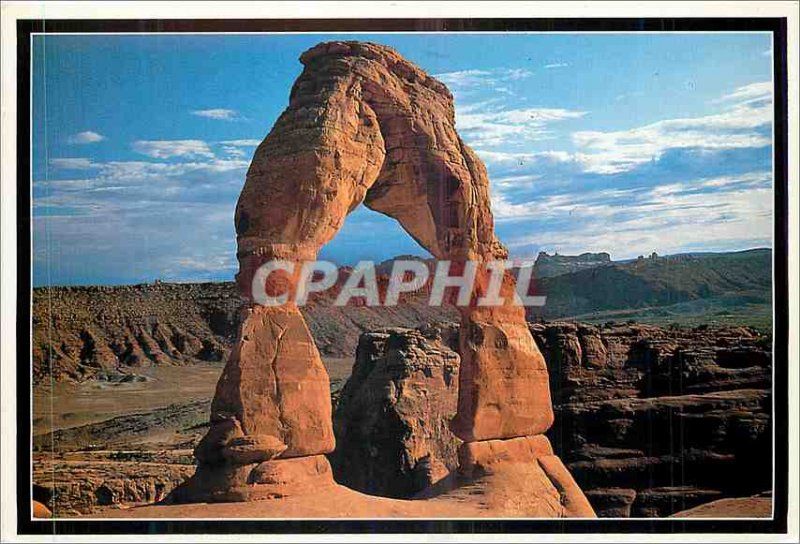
point(40, 511)
point(391, 421)
point(759, 506)
point(575, 503)
point(275, 385)
point(363, 125)
point(291, 475)
point(484, 457)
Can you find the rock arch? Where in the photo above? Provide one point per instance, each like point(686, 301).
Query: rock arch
point(363, 125)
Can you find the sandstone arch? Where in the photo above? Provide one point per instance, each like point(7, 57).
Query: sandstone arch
point(365, 126)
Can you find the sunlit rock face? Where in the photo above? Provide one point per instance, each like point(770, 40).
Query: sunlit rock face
point(363, 125)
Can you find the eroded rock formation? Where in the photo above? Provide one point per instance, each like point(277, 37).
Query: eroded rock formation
point(391, 421)
point(106, 332)
point(652, 421)
point(365, 126)
point(649, 420)
point(80, 483)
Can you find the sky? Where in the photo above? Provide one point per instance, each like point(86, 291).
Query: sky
point(624, 143)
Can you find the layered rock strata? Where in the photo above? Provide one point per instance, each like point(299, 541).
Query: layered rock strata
point(363, 125)
point(649, 421)
point(393, 440)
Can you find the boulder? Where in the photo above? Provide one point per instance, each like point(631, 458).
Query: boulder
point(391, 421)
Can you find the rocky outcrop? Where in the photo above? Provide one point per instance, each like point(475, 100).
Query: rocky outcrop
point(101, 332)
point(547, 266)
point(391, 421)
point(99, 480)
point(649, 421)
point(364, 125)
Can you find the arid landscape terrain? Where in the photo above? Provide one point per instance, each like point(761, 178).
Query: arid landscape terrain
point(650, 419)
point(463, 273)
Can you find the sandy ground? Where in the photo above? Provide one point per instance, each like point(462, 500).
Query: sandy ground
point(74, 404)
point(479, 500)
point(745, 507)
point(339, 502)
point(519, 490)
point(67, 405)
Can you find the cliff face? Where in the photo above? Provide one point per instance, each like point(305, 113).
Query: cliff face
point(650, 421)
point(99, 332)
point(83, 332)
point(547, 266)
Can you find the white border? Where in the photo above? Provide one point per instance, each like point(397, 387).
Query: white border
point(87, 10)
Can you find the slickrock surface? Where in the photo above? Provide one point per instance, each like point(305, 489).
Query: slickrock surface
point(519, 490)
point(759, 506)
point(649, 421)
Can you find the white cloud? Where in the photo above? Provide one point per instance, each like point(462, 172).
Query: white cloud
point(667, 219)
point(494, 132)
point(233, 151)
point(180, 266)
point(132, 170)
point(604, 203)
point(165, 149)
point(517, 73)
point(495, 128)
point(528, 160)
point(86, 137)
point(72, 163)
point(466, 79)
point(137, 176)
point(221, 114)
point(141, 241)
point(748, 93)
point(242, 143)
point(619, 151)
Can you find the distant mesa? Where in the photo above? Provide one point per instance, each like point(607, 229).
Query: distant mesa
point(547, 266)
point(686, 288)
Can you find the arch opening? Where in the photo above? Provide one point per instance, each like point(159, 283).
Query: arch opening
point(364, 126)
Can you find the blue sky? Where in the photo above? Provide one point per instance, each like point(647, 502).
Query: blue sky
point(626, 143)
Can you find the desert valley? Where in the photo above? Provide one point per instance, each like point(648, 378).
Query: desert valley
point(661, 389)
